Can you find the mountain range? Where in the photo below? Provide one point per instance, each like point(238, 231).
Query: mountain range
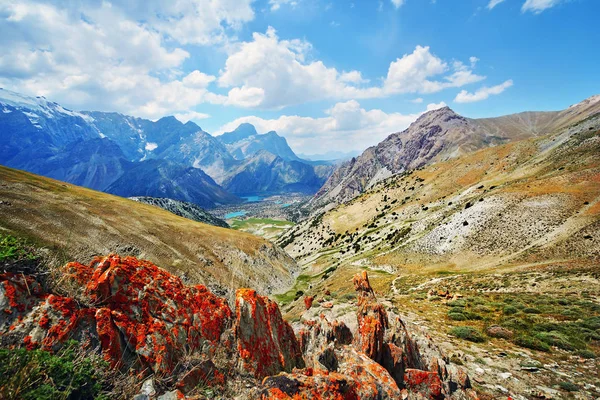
point(440, 135)
point(132, 156)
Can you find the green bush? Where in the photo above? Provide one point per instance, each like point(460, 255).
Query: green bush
point(467, 333)
point(586, 354)
point(456, 316)
point(509, 310)
point(40, 375)
point(531, 310)
point(532, 343)
point(568, 386)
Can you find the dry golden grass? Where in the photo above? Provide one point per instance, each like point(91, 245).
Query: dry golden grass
point(78, 223)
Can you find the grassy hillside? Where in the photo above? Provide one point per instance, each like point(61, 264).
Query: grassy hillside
point(512, 233)
point(77, 223)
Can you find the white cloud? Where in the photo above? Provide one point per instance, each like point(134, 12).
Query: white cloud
point(191, 116)
point(276, 4)
point(275, 72)
point(99, 58)
point(397, 3)
point(537, 6)
point(412, 73)
point(418, 100)
point(482, 93)
point(352, 77)
point(494, 3)
point(346, 126)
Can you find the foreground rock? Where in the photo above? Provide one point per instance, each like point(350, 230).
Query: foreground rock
point(145, 320)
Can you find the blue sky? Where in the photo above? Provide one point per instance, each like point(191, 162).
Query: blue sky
point(328, 75)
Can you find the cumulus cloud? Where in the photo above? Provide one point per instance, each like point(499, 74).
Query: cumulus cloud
point(537, 6)
point(281, 70)
point(494, 3)
point(97, 57)
point(346, 126)
point(482, 93)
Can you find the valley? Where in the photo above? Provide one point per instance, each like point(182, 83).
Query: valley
point(490, 250)
point(495, 252)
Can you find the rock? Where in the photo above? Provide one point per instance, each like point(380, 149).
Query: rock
point(172, 395)
point(204, 374)
point(372, 319)
point(424, 383)
point(308, 301)
point(148, 387)
point(327, 304)
point(265, 342)
point(499, 332)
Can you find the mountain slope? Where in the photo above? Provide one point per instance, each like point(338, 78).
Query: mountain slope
point(161, 178)
point(436, 136)
point(534, 200)
point(81, 223)
point(269, 173)
point(183, 209)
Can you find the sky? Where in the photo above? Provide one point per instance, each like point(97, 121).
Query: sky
point(328, 75)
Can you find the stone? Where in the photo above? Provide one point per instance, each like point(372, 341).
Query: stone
point(308, 301)
point(204, 374)
point(265, 342)
point(425, 383)
point(172, 395)
point(372, 319)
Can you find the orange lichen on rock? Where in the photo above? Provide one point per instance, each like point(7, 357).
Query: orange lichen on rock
point(265, 342)
point(137, 308)
point(425, 382)
point(372, 319)
point(308, 302)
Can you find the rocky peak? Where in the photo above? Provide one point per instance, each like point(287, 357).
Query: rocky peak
point(243, 131)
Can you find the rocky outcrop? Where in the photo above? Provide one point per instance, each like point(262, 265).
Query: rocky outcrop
point(265, 342)
point(144, 320)
point(381, 361)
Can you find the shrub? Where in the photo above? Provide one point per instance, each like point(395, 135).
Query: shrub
point(456, 316)
point(568, 386)
point(532, 343)
point(467, 333)
point(38, 374)
point(586, 354)
point(509, 310)
point(531, 310)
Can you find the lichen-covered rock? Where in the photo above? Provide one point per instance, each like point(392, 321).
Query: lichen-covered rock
point(317, 335)
point(265, 342)
point(140, 313)
point(426, 383)
point(308, 302)
point(372, 319)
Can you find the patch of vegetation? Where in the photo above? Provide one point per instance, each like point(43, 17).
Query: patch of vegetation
point(467, 333)
point(568, 386)
point(14, 249)
point(40, 375)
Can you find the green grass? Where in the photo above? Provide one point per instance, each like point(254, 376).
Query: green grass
point(40, 375)
point(12, 248)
